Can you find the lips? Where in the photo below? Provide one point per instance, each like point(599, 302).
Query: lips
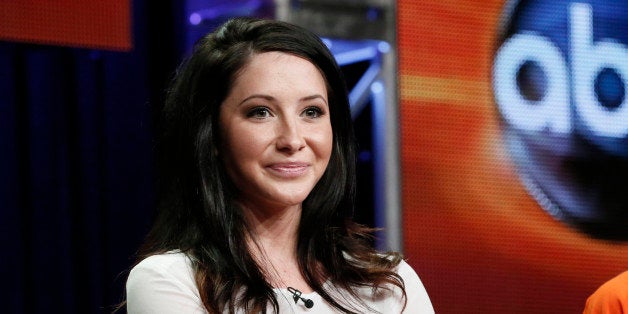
point(288, 169)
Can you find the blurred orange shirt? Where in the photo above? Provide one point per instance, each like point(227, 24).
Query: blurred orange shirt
point(610, 298)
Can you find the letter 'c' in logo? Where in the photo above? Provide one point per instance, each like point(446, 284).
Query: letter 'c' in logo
point(560, 75)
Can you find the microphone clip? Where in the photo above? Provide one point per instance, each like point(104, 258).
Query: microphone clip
point(296, 296)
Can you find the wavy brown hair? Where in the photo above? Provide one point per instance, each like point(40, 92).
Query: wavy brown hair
point(198, 213)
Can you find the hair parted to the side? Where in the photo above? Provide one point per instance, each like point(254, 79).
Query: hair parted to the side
point(197, 212)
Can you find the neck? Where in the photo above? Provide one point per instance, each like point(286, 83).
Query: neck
point(274, 229)
point(272, 241)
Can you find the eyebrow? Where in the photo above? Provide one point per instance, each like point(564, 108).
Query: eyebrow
point(271, 98)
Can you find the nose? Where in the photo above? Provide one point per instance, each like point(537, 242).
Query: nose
point(290, 136)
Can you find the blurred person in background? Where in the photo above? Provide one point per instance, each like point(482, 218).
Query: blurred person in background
point(610, 298)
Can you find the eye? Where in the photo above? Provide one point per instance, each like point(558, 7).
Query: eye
point(313, 112)
point(258, 113)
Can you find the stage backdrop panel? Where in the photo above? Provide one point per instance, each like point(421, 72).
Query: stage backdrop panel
point(497, 218)
point(76, 23)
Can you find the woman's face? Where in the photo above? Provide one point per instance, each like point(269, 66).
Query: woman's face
point(275, 130)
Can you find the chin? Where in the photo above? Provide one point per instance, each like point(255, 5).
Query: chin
point(287, 197)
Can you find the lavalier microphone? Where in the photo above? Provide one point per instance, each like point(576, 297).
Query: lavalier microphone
point(296, 295)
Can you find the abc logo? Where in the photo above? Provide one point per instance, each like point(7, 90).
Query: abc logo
point(559, 80)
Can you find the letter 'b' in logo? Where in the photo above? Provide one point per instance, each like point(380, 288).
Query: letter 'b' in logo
point(559, 80)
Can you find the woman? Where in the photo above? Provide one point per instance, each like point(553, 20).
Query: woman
point(258, 188)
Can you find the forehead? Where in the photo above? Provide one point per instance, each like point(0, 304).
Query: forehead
point(266, 61)
point(262, 70)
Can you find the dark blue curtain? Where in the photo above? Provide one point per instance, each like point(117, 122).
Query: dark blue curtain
point(76, 165)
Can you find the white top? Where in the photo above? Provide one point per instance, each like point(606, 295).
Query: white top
point(165, 284)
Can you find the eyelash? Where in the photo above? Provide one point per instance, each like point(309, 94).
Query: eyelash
point(257, 113)
point(316, 110)
point(312, 112)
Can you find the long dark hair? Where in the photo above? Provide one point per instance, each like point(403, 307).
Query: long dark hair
point(198, 214)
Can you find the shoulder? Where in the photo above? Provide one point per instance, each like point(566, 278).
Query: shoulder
point(166, 262)
point(164, 259)
point(164, 282)
point(406, 271)
point(609, 297)
point(391, 300)
point(174, 266)
point(418, 299)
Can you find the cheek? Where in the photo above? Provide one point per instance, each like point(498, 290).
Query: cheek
point(236, 145)
point(236, 156)
point(324, 143)
point(242, 144)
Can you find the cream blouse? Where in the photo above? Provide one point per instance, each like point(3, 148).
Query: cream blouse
point(165, 284)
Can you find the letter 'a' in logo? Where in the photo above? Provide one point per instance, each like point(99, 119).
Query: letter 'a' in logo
point(560, 75)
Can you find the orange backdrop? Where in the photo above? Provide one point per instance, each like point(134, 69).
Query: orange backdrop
point(477, 239)
point(77, 23)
